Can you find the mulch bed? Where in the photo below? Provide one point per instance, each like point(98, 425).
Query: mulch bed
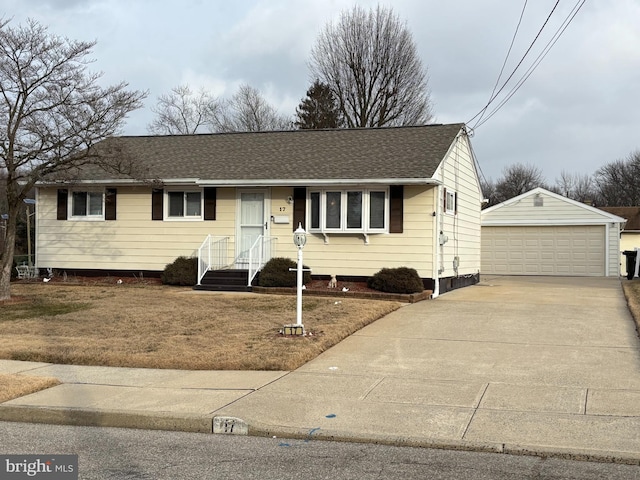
point(354, 290)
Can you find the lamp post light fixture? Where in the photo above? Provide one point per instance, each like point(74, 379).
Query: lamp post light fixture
point(299, 240)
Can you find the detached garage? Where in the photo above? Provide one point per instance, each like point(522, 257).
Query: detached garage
point(543, 233)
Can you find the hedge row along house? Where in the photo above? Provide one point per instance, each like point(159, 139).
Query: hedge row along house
point(369, 198)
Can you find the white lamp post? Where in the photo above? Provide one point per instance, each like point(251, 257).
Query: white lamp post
point(299, 239)
point(29, 201)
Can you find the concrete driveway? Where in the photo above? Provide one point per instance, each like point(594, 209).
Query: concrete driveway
point(531, 363)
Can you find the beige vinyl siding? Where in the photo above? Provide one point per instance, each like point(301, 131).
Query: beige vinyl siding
point(553, 210)
point(132, 242)
point(458, 174)
point(347, 254)
point(135, 242)
point(628, 241)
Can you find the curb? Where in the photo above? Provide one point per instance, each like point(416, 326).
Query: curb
point(595, 456)
point(207, 424)
point(111, 418)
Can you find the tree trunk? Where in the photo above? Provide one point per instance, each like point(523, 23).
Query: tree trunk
point(6, 260)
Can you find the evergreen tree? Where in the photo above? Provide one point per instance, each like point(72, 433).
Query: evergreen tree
point(319, 109)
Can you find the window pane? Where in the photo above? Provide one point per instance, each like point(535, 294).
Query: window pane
point(79, 208)
point(315, 209)
point(193, 204)
point(176, 204)
point(354, 209)
point(95, 203)
point(376, 210)
point(333, 209)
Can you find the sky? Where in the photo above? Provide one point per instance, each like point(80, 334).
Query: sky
point(577, 111)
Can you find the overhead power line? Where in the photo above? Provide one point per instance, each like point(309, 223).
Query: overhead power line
point(504, 64)
point(530, 70)
point(537, 61)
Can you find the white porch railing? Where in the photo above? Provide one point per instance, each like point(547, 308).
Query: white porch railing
point(262, 250)
point(212, 254)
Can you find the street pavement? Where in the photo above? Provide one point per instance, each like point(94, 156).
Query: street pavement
point(524, 365)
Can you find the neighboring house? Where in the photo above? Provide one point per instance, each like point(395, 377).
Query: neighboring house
point(630, 238)
point(543, 233)
point(369, 198)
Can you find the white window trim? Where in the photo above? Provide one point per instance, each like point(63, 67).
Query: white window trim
point(366, 205)
point(85, 218)
point(184, 218)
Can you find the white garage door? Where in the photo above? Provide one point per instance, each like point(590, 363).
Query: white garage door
point(557, 250)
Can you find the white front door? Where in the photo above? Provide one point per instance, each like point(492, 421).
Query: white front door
point(253, 221)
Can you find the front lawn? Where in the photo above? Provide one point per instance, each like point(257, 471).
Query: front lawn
point(154, 326)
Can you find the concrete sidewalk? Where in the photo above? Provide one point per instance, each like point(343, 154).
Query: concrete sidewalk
point(529, 365)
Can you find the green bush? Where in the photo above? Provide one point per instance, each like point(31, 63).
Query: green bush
point(396, 280)
point(183, 271)
point(276, 273)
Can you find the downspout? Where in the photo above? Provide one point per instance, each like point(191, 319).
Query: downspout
point(436, 244)
point(607, 247)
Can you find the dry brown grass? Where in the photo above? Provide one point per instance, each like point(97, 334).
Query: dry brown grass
point(632, 293)
point(14, 386)
point(166, 327)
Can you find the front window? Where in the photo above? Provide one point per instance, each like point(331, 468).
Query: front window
point(350, 210)
point(87, 205)
point(183, 204)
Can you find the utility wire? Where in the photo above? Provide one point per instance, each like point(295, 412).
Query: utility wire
point(537, 61)
point(493, 97)
point(504, 64)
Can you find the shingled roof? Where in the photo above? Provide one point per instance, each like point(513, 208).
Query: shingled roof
point(631, 214)
point(396, 154)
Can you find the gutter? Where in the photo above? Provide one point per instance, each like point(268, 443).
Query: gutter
point(248, 183)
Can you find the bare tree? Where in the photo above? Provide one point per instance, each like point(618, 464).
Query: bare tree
point(576, 186)
point(52, 111)
point(516, 180)
point(248, 111)
point(183, 112)
point(370, 62)
point(617, 184)
point(488, 188)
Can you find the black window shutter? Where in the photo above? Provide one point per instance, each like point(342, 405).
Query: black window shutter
point(444, 199)
point(157, 209)
point(63, 196)
point(455, 202)
point(299, 206)
point(396, 208)
point(210, 203)
point(110, 204)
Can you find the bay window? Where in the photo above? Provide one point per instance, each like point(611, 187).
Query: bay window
point(349, 210)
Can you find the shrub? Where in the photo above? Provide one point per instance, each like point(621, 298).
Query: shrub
point(276, 273)
point(396, 280)
point(183, 271)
